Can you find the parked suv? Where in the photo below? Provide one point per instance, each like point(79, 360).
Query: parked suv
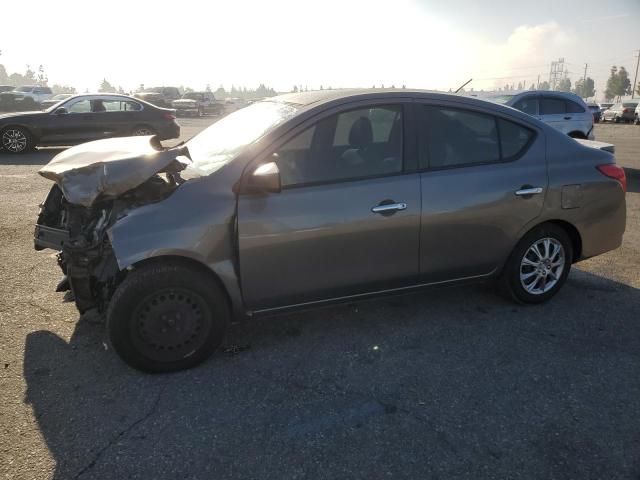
point(159, 96)
point(621, 112)
point(6, 88)
point(36, 93)
point(563, 111)
point(197, 103)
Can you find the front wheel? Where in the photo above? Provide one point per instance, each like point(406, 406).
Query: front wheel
point(16, 140)
point(167, 317)
point(538, 266)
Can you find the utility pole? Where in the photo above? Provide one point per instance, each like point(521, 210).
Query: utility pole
point(584, 82)
point(538, 84)
point(635, 79)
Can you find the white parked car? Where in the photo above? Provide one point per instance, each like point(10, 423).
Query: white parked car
point(35, 92)
point(563, 111)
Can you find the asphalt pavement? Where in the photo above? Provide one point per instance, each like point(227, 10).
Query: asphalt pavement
point(447, 383)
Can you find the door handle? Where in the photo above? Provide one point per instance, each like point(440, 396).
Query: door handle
point(567, 118)
point(390, 207)
point(528, 191)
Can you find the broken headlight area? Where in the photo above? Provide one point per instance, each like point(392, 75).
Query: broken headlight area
point(79, 234)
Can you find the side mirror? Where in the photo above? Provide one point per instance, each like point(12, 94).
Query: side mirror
point(265, 178)
point(61, 111)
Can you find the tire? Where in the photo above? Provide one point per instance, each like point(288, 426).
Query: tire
point(578, 135)
point(616, 119)
point(535, 285)
point(141, 130)
point(16, 140)
point(166, 317)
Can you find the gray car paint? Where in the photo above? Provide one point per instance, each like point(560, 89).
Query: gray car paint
point(288, 249)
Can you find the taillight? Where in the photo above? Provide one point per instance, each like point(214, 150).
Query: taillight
point(626, 110)
point(614, 171)
point(169, 116)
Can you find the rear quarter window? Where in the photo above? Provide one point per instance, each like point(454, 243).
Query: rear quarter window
point(552, 106)
point(514, 139)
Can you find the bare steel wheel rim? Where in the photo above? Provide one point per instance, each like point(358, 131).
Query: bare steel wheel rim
point(542, 266)
point(170, 324)
point(14, 140)
point(142, 131)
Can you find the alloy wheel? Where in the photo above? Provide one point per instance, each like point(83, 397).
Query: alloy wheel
point(142, 131)
point(542, 265)
point(14, 140)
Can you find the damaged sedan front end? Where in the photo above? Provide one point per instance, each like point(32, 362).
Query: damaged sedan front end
point(96, 184)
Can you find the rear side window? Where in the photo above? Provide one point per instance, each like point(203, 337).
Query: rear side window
point(573, 107)
point(459, 137)
point(552, 106)
point(528, 105)
point(455, 138)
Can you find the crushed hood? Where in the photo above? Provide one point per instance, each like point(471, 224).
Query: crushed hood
point(109, 168)
point(607, 147)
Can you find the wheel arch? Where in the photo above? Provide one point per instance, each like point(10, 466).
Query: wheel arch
point(577, 134)
point(569, 228)
point(231, 292)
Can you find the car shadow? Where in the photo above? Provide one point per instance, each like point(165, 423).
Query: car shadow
point(40, 156)
point(448, 382)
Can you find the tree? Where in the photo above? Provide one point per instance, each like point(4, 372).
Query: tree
point(520, 87)
point(41, 78)
point(56, 89)
point(585, 89)
point(220, 92)
point(121, 90)
point(564, 85)
point(618, 83)
point(106, 87)
point(544, 86)
point(295, 89)
point(207, 89)
point(638, 89)
point(532, 86)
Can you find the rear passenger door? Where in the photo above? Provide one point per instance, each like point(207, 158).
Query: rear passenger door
point(553, 112)
point(483, 180)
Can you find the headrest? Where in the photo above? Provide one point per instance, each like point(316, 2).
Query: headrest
point(361, 133)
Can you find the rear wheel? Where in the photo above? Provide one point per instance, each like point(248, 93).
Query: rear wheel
point(16, 140)
point(167, 317)
point(142, 130)
point(538, 266)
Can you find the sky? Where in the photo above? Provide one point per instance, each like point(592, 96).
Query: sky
point(433, 44)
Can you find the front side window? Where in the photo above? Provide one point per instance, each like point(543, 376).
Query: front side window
point(552, 106)
point(360, 143)
point(81, 106)
point(528, 105)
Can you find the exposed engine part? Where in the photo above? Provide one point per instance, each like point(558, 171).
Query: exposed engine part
point(80, 234)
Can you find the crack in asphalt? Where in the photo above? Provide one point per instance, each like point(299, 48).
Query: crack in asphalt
point(122, 434)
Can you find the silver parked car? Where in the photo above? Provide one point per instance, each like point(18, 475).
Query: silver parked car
point(317, 197)
point(621, 112)
point(564, 111)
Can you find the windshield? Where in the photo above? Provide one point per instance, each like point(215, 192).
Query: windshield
point(192, 96)
point(500, 98)
point(23, 89)
point(218, 144)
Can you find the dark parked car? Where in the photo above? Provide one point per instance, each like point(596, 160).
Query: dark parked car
point(85, 117)
point(6, 88)
point(318, 197)
point(159, 96)
point(198, 104)
point(595, 110)
point(621, 112)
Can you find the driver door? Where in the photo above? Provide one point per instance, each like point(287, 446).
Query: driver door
point(75, 126)
point(346, 221)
